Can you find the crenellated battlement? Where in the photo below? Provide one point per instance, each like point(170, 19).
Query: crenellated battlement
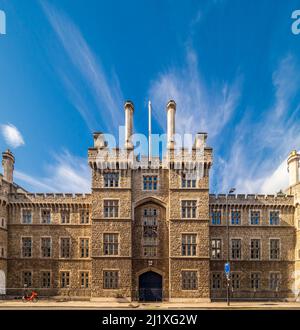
point(115, 158)
point(250, 199)
point(60, 198)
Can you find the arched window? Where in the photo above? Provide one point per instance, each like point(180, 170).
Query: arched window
point(150, 233)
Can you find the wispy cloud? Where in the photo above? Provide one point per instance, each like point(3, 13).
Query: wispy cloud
point(12, 135)
point(199, 108)
point(257, 159)
point(68, 173)
point(102, 97)
point(32, 182)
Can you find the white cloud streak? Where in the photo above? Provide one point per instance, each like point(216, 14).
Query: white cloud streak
point(12, 135)
point(257, 159)
point(69, 173)
point(199, 108)
point(102, 97)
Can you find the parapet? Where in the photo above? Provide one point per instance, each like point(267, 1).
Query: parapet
point(123, 159)
point(255, 199)
point(50, 198)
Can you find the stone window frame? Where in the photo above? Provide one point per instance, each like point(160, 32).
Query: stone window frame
point(239, 273)
point(280, 280)
point(51, 249)
point(189, 200)
point(21, 244)
point(79, 246)
point(241, 251)
point(260, 248)
point(153, 252)
point(234, 209)
point(2, 249)
point(111, 270)
point(221, 280)
point(3, 223)
point(182, 179)
point(260, 217)
point(86, 211)
point(221, 248)
point(119, 244)
point(269, 216)
point(41, 278)
point(80, 271)
point(41, 217)
point(219, 209)
point(154, 217)
point(197, 244)
point(157, 182)
point(150, 207)
point(260, 280)
point(23, 271)
point(112, 172)
point(59, 246)
point(269, 248)
point(119, 207)
point(60, 278)
point(197, 279)
point(61, 211)
point(21, 215)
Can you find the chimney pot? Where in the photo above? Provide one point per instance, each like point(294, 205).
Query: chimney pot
point(171, 109)
point(129, 109)
point(293, 167)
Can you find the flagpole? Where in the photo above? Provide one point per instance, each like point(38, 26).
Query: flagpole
point(149, 130)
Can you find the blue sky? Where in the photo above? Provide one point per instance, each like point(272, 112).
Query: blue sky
point(232, 66)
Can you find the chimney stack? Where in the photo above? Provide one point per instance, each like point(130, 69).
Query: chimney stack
point(293, 168)
point(171, 109)
point(129, 108)
point(99, 140)
point(8, 161)
point(200, 140)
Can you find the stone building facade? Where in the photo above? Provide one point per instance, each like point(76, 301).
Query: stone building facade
point(150, 230)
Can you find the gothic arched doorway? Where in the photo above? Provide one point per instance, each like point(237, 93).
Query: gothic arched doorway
point(150, 286)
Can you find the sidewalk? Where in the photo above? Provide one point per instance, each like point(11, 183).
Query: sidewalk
point(50, 304)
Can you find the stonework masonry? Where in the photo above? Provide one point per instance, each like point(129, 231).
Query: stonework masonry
point(147, 233)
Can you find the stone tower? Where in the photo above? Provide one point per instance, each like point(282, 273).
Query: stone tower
point(8, 161)
point(112, 213)
point(293, 163)
point(5, 187)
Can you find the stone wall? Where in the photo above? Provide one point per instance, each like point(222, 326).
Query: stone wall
point(4, 188)
point(285, 232)
point(120, 225)
point(55, 230)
